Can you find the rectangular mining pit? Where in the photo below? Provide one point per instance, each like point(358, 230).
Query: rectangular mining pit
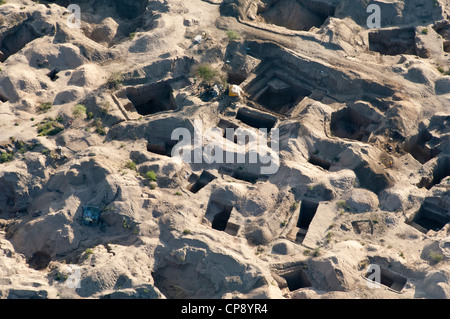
point(280, 96)
point(390, 279)
point(348, 123)
point(296, 15)
point(220, 214)
point(204, 179)
point(393, 41)
point(256, 119)
point(308, 210)
point(295, 278)
point(432, 215)
point(162, 148)
point(149, 99)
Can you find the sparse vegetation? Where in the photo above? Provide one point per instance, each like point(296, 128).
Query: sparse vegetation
point(425, 31)
point(49, 127)
point(442, 70)
point(99, 128)
point(151, 176)
point(115, 80)
point(79, 110)
point(294, 206)
point(232, 35)
point(6, 157)
point(436, 257)
point(131, 165)
point(44, 107)
point(209, 75)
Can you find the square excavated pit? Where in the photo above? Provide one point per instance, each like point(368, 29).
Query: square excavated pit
point(280, 97)
point(219, 214)
point(433, 214)
point(277, 86)
point(390, 279)
point(204, 179)
point(296, 278)
point(153, 98)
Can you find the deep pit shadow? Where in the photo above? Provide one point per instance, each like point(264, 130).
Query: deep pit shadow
point(296, 15)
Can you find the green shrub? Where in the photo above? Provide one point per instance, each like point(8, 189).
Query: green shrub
point(6, 157)
point(151, 176)
point(99, 128)
point(209, 74)
point(425, 31)
point(232, 35)
point(44, 107)
point(436, 257)
point(49, 127)
point(115, 80)
point(79, 110)
point(131, 165)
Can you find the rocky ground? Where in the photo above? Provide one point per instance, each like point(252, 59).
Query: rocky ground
point(87, 115)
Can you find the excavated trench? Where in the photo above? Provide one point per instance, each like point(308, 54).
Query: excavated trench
point(348, 123)
point(390, 279)
point(393, 41)
point(204, 179)
point(276, 86)
point(17, 38)
point(220, 215)
point(151, 99)
point(299, 15)
point(308, 210)
point(433, 214)
point(372, 179)
point(295, 278)
point(441, 170)
point(163, 148)
point(279, 96)
point(256, 119)
point(417, 147)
